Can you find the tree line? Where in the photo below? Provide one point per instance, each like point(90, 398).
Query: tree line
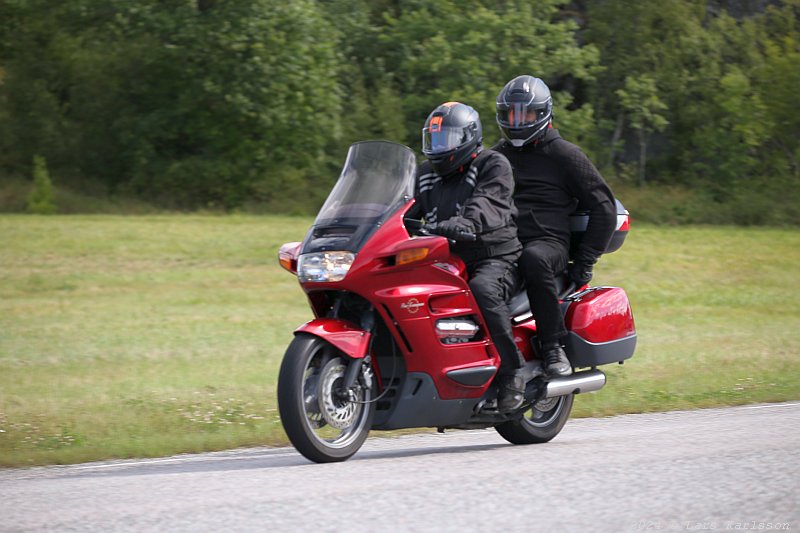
point(223, 103)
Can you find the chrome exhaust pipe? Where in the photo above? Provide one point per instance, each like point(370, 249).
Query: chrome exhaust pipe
point(588, 381)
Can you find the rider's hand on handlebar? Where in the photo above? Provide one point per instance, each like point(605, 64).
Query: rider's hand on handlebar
point(453, 229)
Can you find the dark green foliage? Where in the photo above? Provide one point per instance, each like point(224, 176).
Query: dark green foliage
point(711, 70)
point(225, 104)
point(41, 200)
point(183, 106)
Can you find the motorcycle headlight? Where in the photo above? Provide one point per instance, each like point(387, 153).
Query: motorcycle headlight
point(324, 266)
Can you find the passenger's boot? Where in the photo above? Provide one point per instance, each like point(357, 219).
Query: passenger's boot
point(555, 360)
point(512, 391)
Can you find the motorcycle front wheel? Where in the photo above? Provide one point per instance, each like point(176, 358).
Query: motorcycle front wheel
point(321, 425)
point(543, 421)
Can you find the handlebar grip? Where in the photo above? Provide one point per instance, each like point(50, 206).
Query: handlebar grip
point(463, 236)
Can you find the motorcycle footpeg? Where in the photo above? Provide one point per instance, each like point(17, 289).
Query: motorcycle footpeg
point(535, 390)
point(486, 406)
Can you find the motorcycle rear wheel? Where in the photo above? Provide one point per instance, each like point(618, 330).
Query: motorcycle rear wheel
point(540, 424)
point(320, 425)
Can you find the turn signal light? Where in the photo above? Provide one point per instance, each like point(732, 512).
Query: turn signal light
point(410, 256)
point(287, 256)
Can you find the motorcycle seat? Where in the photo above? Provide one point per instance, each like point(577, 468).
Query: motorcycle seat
point(520, 307)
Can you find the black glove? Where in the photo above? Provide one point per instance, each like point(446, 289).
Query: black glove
point(452, 228)
point(580, 273)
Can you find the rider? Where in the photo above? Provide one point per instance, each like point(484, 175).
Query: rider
point(553, 179)
point(464, 189)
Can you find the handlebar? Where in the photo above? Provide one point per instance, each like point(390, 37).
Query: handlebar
point(421, 228)
point(414, 224)
point(466, 236)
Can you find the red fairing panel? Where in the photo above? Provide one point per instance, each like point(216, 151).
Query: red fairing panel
point(348, 338)
point(602, 315)
point(522, 338)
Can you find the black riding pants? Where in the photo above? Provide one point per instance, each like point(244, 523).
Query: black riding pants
point(541, 262)
point(493, 282)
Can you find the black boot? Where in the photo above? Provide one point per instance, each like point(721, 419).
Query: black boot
point(512, 391)
point(555, 361)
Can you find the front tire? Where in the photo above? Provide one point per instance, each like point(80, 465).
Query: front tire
point(541, 423)
point(320, 425)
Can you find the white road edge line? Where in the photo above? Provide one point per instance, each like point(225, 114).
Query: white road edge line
point(771, 406)
point(181, 460)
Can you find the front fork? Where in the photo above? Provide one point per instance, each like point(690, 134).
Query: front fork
point(351, 384)
point(358, 367)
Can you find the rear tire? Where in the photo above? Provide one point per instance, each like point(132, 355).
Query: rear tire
point(540, 424)
point(320, 425)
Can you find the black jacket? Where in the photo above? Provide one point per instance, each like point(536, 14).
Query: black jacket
point(554, 178)
point(480, 197)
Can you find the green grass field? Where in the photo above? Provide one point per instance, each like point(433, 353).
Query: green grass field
point(149, 336)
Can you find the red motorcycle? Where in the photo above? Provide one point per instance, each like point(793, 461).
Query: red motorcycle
point(398, 341)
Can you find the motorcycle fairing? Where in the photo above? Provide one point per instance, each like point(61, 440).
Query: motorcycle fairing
point(406, 297)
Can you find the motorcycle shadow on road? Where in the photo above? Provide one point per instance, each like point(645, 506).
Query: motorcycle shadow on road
point(259, 460)
point(394, 453)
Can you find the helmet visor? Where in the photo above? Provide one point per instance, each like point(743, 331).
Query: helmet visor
point(437, 139)
point(520, 115)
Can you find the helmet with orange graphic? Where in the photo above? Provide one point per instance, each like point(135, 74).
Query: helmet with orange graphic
point(451, 137)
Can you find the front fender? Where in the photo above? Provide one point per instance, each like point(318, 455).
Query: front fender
point(345, 336)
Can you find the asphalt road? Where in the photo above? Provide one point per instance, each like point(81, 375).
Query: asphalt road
point(717, 469)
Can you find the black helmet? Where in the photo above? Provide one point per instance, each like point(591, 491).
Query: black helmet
point(452, 134)
point(524, 110)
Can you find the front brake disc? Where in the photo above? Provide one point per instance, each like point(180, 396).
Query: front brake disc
point(337, 412)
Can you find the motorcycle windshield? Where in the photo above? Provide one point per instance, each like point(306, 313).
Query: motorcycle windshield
point(377, 178)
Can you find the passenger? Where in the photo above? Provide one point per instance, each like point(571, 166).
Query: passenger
point(553, 179)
